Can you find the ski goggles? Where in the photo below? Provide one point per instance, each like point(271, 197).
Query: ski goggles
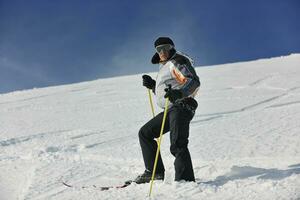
point(164, 47)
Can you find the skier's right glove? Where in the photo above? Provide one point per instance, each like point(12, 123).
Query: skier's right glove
point(149, 83)
point(173, 94)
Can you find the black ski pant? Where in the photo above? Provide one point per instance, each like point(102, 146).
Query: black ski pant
point(177, 122)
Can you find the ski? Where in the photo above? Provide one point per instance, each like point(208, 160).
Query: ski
point(101, 188)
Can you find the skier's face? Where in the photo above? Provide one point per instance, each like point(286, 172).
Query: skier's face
point(164, 51)
point(163, 55)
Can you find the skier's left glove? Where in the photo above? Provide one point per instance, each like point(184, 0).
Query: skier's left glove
point(173, 94)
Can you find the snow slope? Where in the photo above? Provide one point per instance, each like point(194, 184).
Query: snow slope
point(244, 138)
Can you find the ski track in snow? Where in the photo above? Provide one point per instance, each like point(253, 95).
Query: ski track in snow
point(244, 137)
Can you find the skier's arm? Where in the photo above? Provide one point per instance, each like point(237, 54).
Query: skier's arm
point(186, 76)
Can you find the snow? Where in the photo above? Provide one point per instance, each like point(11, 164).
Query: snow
point(244, 138)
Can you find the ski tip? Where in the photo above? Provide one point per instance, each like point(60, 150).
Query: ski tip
point(127, 183)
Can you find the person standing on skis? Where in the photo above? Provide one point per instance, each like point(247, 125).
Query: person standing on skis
point(178, 81)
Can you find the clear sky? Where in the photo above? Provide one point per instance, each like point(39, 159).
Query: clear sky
point(53, 42)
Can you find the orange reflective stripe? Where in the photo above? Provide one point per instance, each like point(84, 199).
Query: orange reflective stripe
point(179, 76)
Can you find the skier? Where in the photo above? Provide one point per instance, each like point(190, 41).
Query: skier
point(178, 81)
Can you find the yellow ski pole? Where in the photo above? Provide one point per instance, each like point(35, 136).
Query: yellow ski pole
point(159, 142)
point(151, 102)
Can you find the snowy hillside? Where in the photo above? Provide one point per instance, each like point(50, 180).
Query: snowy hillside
point(244, 139)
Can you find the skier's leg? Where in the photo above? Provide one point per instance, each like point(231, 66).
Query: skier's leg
point(179, 119)
point(147, 134)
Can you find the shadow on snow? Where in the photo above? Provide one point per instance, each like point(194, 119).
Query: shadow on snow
point(238, 173)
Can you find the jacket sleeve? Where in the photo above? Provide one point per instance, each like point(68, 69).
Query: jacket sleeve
point(186, 76)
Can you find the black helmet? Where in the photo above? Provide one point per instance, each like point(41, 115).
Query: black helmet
point(163, 40)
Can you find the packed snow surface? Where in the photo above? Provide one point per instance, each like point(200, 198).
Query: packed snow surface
point(244, 138)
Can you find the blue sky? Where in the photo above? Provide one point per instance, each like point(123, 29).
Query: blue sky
point(52, 42)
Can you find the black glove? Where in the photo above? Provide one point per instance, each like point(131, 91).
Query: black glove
point(173, 94)
point(148, 82)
